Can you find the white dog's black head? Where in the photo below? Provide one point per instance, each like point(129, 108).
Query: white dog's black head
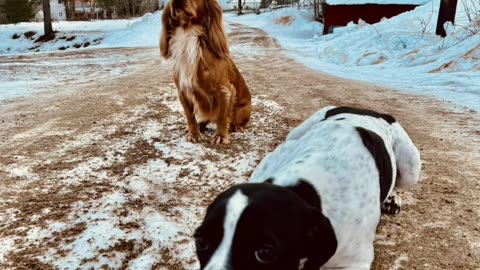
point(263, 226)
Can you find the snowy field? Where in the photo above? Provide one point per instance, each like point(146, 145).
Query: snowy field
point(397, 52)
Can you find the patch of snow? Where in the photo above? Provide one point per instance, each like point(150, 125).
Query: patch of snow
point(381, 239)
point(7, 244)
point(438, 224)
point(271, 105)
point(20, 171)
point(385, 243)
point(398, 262)
point(152, 130)
point(98, 235)
point(101, 233)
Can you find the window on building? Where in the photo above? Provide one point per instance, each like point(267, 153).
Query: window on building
point(59, 1)
point(60, 14)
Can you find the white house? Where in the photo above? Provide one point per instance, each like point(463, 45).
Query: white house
point(57, 11)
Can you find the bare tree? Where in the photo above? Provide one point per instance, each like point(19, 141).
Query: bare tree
point(47, 21)
point(239, 7)
point(69, 8)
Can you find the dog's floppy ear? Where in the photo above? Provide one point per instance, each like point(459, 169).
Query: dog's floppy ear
point(321, 241)
point(167, 29)
point(217, 40)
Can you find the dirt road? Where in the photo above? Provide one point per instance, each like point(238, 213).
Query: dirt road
point(90, 173)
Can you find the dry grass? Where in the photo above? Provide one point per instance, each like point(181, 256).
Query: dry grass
point(284, 20)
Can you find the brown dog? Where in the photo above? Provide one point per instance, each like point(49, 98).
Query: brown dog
point(210, 87)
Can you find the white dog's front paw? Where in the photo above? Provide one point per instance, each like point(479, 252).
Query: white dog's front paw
point(392, 205)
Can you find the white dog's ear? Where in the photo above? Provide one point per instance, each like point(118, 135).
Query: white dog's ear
point(167, 29)
point(217, 40)
point(321, 241)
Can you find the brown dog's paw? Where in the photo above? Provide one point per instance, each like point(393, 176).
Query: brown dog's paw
point(193, 138)
point(237, 128)
point(217, 139)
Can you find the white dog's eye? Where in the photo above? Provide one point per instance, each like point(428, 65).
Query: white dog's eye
point(266, 255)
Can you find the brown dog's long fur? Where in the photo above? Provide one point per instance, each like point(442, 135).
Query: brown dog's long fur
point(210, 87)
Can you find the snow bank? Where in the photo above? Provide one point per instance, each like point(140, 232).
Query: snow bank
point(402, 52)
point(20, 38)
point(139, 32)
point(145, 32)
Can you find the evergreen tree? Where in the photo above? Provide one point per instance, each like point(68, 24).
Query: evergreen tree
point(18, 10)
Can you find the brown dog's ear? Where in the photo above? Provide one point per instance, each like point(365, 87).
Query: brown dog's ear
point(217, 40)
point(167, 29)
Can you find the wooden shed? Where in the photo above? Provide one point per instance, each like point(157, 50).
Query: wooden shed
point(341, 12)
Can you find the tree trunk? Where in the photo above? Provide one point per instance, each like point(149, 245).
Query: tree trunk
point(132, 7)
point(126, 8)
point(446, 14)
point(239, 7)
point(72, 9)
point(47, 20)
point(69, 9)
point(94, 7)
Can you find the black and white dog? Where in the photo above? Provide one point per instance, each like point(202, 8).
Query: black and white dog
point(316, 200)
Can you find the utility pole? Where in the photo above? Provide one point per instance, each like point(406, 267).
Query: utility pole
point(446, 14)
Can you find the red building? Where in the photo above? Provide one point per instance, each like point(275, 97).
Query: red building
point(341, 12)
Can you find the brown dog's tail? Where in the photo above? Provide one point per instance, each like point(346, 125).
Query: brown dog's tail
point(243, 104)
